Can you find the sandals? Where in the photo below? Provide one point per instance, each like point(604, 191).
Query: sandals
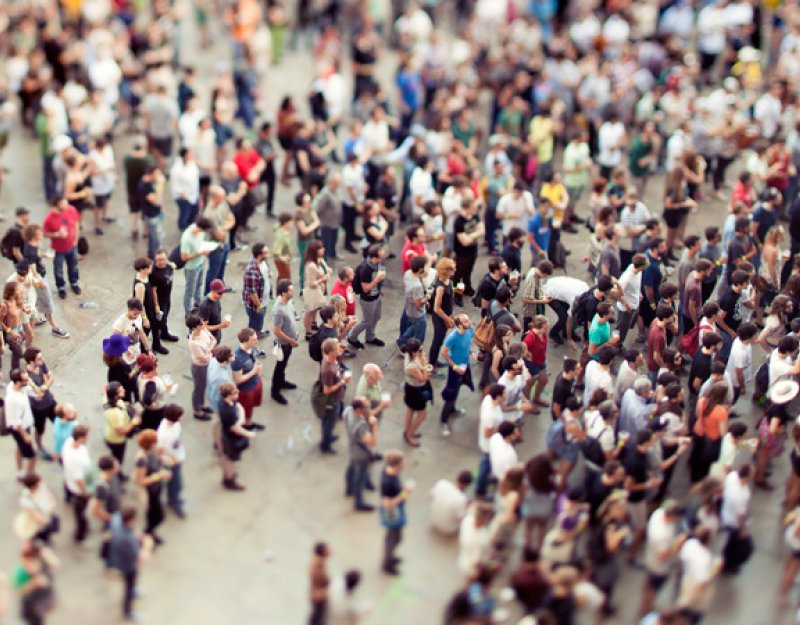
point(409, 441)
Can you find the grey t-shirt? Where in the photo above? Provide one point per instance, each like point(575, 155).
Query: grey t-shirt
point(162, 112)
point(356, 429)
point(283, 317)
point(414, 292)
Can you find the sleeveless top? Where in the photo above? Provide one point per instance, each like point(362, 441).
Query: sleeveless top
point(148, 294)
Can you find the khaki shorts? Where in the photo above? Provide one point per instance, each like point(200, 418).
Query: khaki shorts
point(638, 514)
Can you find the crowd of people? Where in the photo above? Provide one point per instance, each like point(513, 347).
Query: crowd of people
point(608, 262)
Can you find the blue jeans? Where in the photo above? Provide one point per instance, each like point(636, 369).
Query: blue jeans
point(484, 473)
point(216, 266)
point(328, 237)
point(356, 478)
point(49, 178)
point(192, 292)
point(328, 424)
point(71, 258)
point(411, 328)
point(187, 213)
point(255, 319)
point(155, 234)
point(174, 487)
point(652, 376)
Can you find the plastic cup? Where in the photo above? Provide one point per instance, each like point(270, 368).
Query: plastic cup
point(386, 396)
point(228, 318)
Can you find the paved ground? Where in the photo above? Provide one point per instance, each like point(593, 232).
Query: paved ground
point(243, 557)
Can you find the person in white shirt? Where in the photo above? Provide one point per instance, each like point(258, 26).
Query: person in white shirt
point(449, 503)
point(184, 181)
point(700, 568)
point(677, 145)
point(491, 416)
point(513, 380)
point(76, 463)
point(173, 454)
point(104, 179)
point(628, 305)
point(629, 370)
point(563, 291)
point(740, 361)
point(19, 419)
point(598, 373)
point(736, 498)
point(502, 455)
point(421, 186)
point(611, 140)
point(354, 188)
point(664, 541)
point(767, 111)
point(189, 121)
point(474, 538)
point(515, 209)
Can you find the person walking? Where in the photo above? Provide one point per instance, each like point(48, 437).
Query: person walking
point(362, 433)
point(61, 226)
point(201, 348)
point(320, 581)
point(370, 275)
point(233, 435)
point(173, 453)
point(19, 420)
point(393, 508)
point(456, 353)
point(76, 463)
point(285, 331)
point(194, 251)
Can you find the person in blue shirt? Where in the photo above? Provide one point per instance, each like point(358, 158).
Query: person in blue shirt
point(456, 353)
point(651, 281)
point(409, 84)
point(540, 229)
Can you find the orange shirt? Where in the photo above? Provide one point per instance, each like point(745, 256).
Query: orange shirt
point(709, 426)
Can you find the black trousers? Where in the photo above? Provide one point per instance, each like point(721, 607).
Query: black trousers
point(319, 613)
point(155, 511)
point(268, 178)
point(279, 374)
point(127, 597)
point(439, 332)
point(394, 535)
point(79, 503)
point(559, 330)
point(349, 214)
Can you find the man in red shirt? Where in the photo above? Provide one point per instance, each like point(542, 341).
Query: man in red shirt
point(414, 246)
point(657, 341)
point(250, 166)
point(61, 227)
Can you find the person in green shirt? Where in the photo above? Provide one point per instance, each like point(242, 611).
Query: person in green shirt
point(642, 156)
point(42, 125)
point(282, 246)
point(464, 130)
point(577, 163)
point(600, 329)
point(369, 386)
point(193, 254)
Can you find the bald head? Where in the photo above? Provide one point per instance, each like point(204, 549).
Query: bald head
point(373, 373)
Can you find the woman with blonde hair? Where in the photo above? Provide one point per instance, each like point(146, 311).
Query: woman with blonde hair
point(771, 266)
point(442, 314)
point(777, 322)
point(12, 309)
point(508, 500)
point(345, 322)
point(417, 390)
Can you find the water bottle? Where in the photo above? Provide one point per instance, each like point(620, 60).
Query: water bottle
point(88, 305)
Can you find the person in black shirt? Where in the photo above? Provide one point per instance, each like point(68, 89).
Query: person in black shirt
point(636, 460)
point(512, 252)
point(467, 229)
point(266, 150)
point(12, 242)
point(741, 246)
point(160, 278)
point(385, 193)
point(210, 310)
point(700, 370)
point(730, 304)
point(487, 289)
point(597, 491)
point(564, 386)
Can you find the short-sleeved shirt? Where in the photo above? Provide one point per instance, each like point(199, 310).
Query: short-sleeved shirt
point(656, 343)
point(563, 389)
point(741, 357)
point(731, 303)
point(283, 318)
point(366, 273)
point(149, 209)
point(330, 375)
point(190, 244)
point(463, 225)
point(228, 416)
point(540, 228)
point(108, 493)
point(693, 292)
point(710, 424)
point(391, 487)
point(599, 333)
point(651, 276)
point(55, 220)
point(357, 429)
point(636, 465)
point(458, 345)
point(244, 361)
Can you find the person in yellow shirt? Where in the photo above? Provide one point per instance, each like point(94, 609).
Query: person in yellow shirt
point(555, 191)
point(541, 134)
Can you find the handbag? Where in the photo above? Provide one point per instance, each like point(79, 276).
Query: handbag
point(320, 402)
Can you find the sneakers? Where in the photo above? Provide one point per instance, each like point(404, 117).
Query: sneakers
point(288, 386)
point(279, 399)
point(260, 353)
point(202, 416)
point(263, 334)
point(39, 322)
point(62, 293)
point(459, 412)
point(76, 289)
point(445, 429)
point(62, 334)
point(356, 343)
point(160, 349)
point(377, 342)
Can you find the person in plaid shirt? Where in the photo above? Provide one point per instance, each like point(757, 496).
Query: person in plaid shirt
point(533, 300)
point(255, 287)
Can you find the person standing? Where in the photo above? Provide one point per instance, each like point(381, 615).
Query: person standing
point(161, 122)
point(307, 224)
point(161, 276)
point(256, 289)
point(194, 253)
point(13, 241)
point(219, 213)
point(173, 453)
point(467, 230)
point(184, 183)
point(126, 552)
point(370, 274)
point(362, 433)
point(320, 580)
point(106, 500)
point(393, 508)
point(210, 310)
point(333, 382)
point(282, 246)
point(76, 462)
point(328, 207)
point(285, 331)
point(61, 226)
point(143, 292)
point(201, 348)
point(151, 197)
point(19, 419)
point(150, 475)
point(135, 165)
point(247, 375)
point(268, 154)
point(456, 353)
point(233, 436)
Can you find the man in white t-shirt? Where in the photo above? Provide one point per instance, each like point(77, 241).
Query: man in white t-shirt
point(768, 110)
point(130, 324)
point(19, 419)
point(76, 463)
point(502, 455)
point(598, 373)
point(515, 209)
point(611, 140)
point(474, 537)
point(740, 361)
point(736, 498)
point(491, 416)
point(514, 382)
point(449, 503)
point(664, 541)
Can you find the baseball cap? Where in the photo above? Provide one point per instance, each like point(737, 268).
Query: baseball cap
point(218, 286)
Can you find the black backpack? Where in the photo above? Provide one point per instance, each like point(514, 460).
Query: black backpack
point(592, 450)
point(580, 309)
point(6, 243)
point(175, 257)
point(315, 347)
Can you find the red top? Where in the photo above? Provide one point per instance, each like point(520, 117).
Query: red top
point(245, 163)
point(409, 251)
point(742, 193)
point(537, 346)
point(780, 180)
point(55, 220)
point(656, 344)
point(347, 293)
